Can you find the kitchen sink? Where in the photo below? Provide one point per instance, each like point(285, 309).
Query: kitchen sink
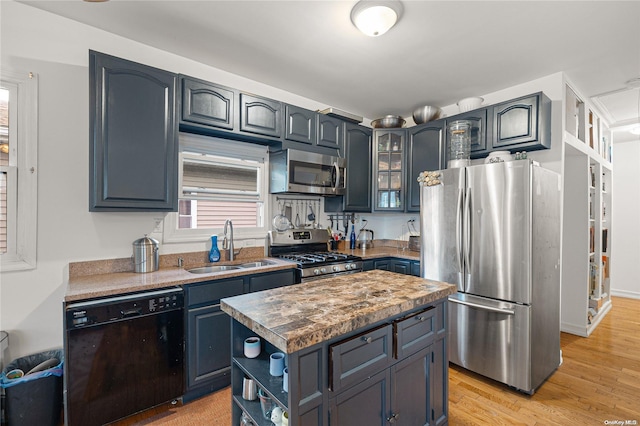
point(256, 264)
point(221, 268)
point(212, 269)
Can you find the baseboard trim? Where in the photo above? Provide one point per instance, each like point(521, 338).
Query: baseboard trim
point(625, 293)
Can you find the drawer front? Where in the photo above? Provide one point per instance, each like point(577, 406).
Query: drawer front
point(211, 292)
point(273, 280)
point(357, 358)
point(415, 332)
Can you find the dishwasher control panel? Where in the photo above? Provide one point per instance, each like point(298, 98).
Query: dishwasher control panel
point(118, 308)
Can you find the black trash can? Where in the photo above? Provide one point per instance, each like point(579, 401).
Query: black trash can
point(36, 397)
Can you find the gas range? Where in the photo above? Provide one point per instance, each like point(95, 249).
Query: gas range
point(308, 249)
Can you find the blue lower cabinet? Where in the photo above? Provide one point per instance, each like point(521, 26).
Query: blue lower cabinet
point(415, 268)
point(362, 404)
point(208, 353)
point(208, 329)
point(401, 266)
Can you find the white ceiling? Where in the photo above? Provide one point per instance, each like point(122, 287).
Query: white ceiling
point(438, 53)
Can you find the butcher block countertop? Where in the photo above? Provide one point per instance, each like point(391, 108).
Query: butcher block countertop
point(111, 277)
point(296, 317)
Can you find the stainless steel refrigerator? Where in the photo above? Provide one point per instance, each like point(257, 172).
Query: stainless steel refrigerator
point(494, 231)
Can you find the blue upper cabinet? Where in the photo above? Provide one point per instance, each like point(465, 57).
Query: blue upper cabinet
point(426, 151)
point(215, 110)
point(358, 152)
point(330, 131)
point(311, 131)
point(300, 125)
point(389, 169)
point(260, 116)
point(133, 136)
point(522, 124)
point(207, 104)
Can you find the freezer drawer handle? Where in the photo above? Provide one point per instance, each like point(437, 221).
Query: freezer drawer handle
point(486, 308)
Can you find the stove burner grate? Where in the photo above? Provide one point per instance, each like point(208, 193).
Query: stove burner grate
point(318, 257)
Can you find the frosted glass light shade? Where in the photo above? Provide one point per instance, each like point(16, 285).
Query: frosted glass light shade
point(374, 18)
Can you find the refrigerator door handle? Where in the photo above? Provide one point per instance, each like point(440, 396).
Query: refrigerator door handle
point(483, 307)
point(468, 230)
point(459, 236)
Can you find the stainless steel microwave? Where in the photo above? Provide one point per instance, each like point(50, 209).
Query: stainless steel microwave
point(304, 172)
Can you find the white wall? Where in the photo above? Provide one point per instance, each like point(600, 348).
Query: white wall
point(625, 232)
point(57, 50)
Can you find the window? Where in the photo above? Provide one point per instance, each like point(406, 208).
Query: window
point(18, 171)
point(219, 180)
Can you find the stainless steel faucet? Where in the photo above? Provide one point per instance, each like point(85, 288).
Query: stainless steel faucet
point(227, 242)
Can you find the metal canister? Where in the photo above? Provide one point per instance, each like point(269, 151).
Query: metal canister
point(145, 255)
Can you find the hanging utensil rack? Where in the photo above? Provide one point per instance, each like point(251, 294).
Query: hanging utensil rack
point(301, 205)
point(298, 199)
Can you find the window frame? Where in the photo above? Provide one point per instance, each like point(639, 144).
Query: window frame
point(22, 214)
point(191, 143)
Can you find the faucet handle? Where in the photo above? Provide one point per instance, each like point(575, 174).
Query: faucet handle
point(225, 243)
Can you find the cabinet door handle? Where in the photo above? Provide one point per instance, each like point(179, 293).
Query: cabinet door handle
point(366, 339)
point(393, 418)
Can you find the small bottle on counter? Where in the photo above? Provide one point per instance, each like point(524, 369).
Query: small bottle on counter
point(214, 253)
point(352, 238)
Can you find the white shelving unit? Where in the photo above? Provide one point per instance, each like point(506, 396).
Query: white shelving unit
point(586, 253)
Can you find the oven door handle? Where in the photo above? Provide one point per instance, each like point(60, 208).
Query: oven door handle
point(325, 276)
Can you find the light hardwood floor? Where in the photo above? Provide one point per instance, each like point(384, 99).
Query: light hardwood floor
point(599, 381)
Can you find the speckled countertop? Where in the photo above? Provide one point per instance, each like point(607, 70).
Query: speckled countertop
point(295, 317)
point(384, 251)
point(111, 284)
point(111, 277)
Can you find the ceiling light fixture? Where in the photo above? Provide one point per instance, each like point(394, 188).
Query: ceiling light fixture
point(375, 18)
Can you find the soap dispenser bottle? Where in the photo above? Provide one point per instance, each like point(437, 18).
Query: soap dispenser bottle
point(352, 238)
point(214, 253)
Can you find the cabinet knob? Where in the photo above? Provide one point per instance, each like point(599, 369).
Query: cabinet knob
point(420, 318)
point(366, 339)
point(393, 418)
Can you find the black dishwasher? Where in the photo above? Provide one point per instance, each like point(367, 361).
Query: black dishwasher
point(122, 355)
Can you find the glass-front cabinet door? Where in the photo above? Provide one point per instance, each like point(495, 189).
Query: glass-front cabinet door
point(389, 163)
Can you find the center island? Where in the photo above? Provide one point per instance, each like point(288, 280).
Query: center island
point(361, 349)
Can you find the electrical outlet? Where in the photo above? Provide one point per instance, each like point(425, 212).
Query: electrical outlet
point(413, 219)
point(158, 224)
